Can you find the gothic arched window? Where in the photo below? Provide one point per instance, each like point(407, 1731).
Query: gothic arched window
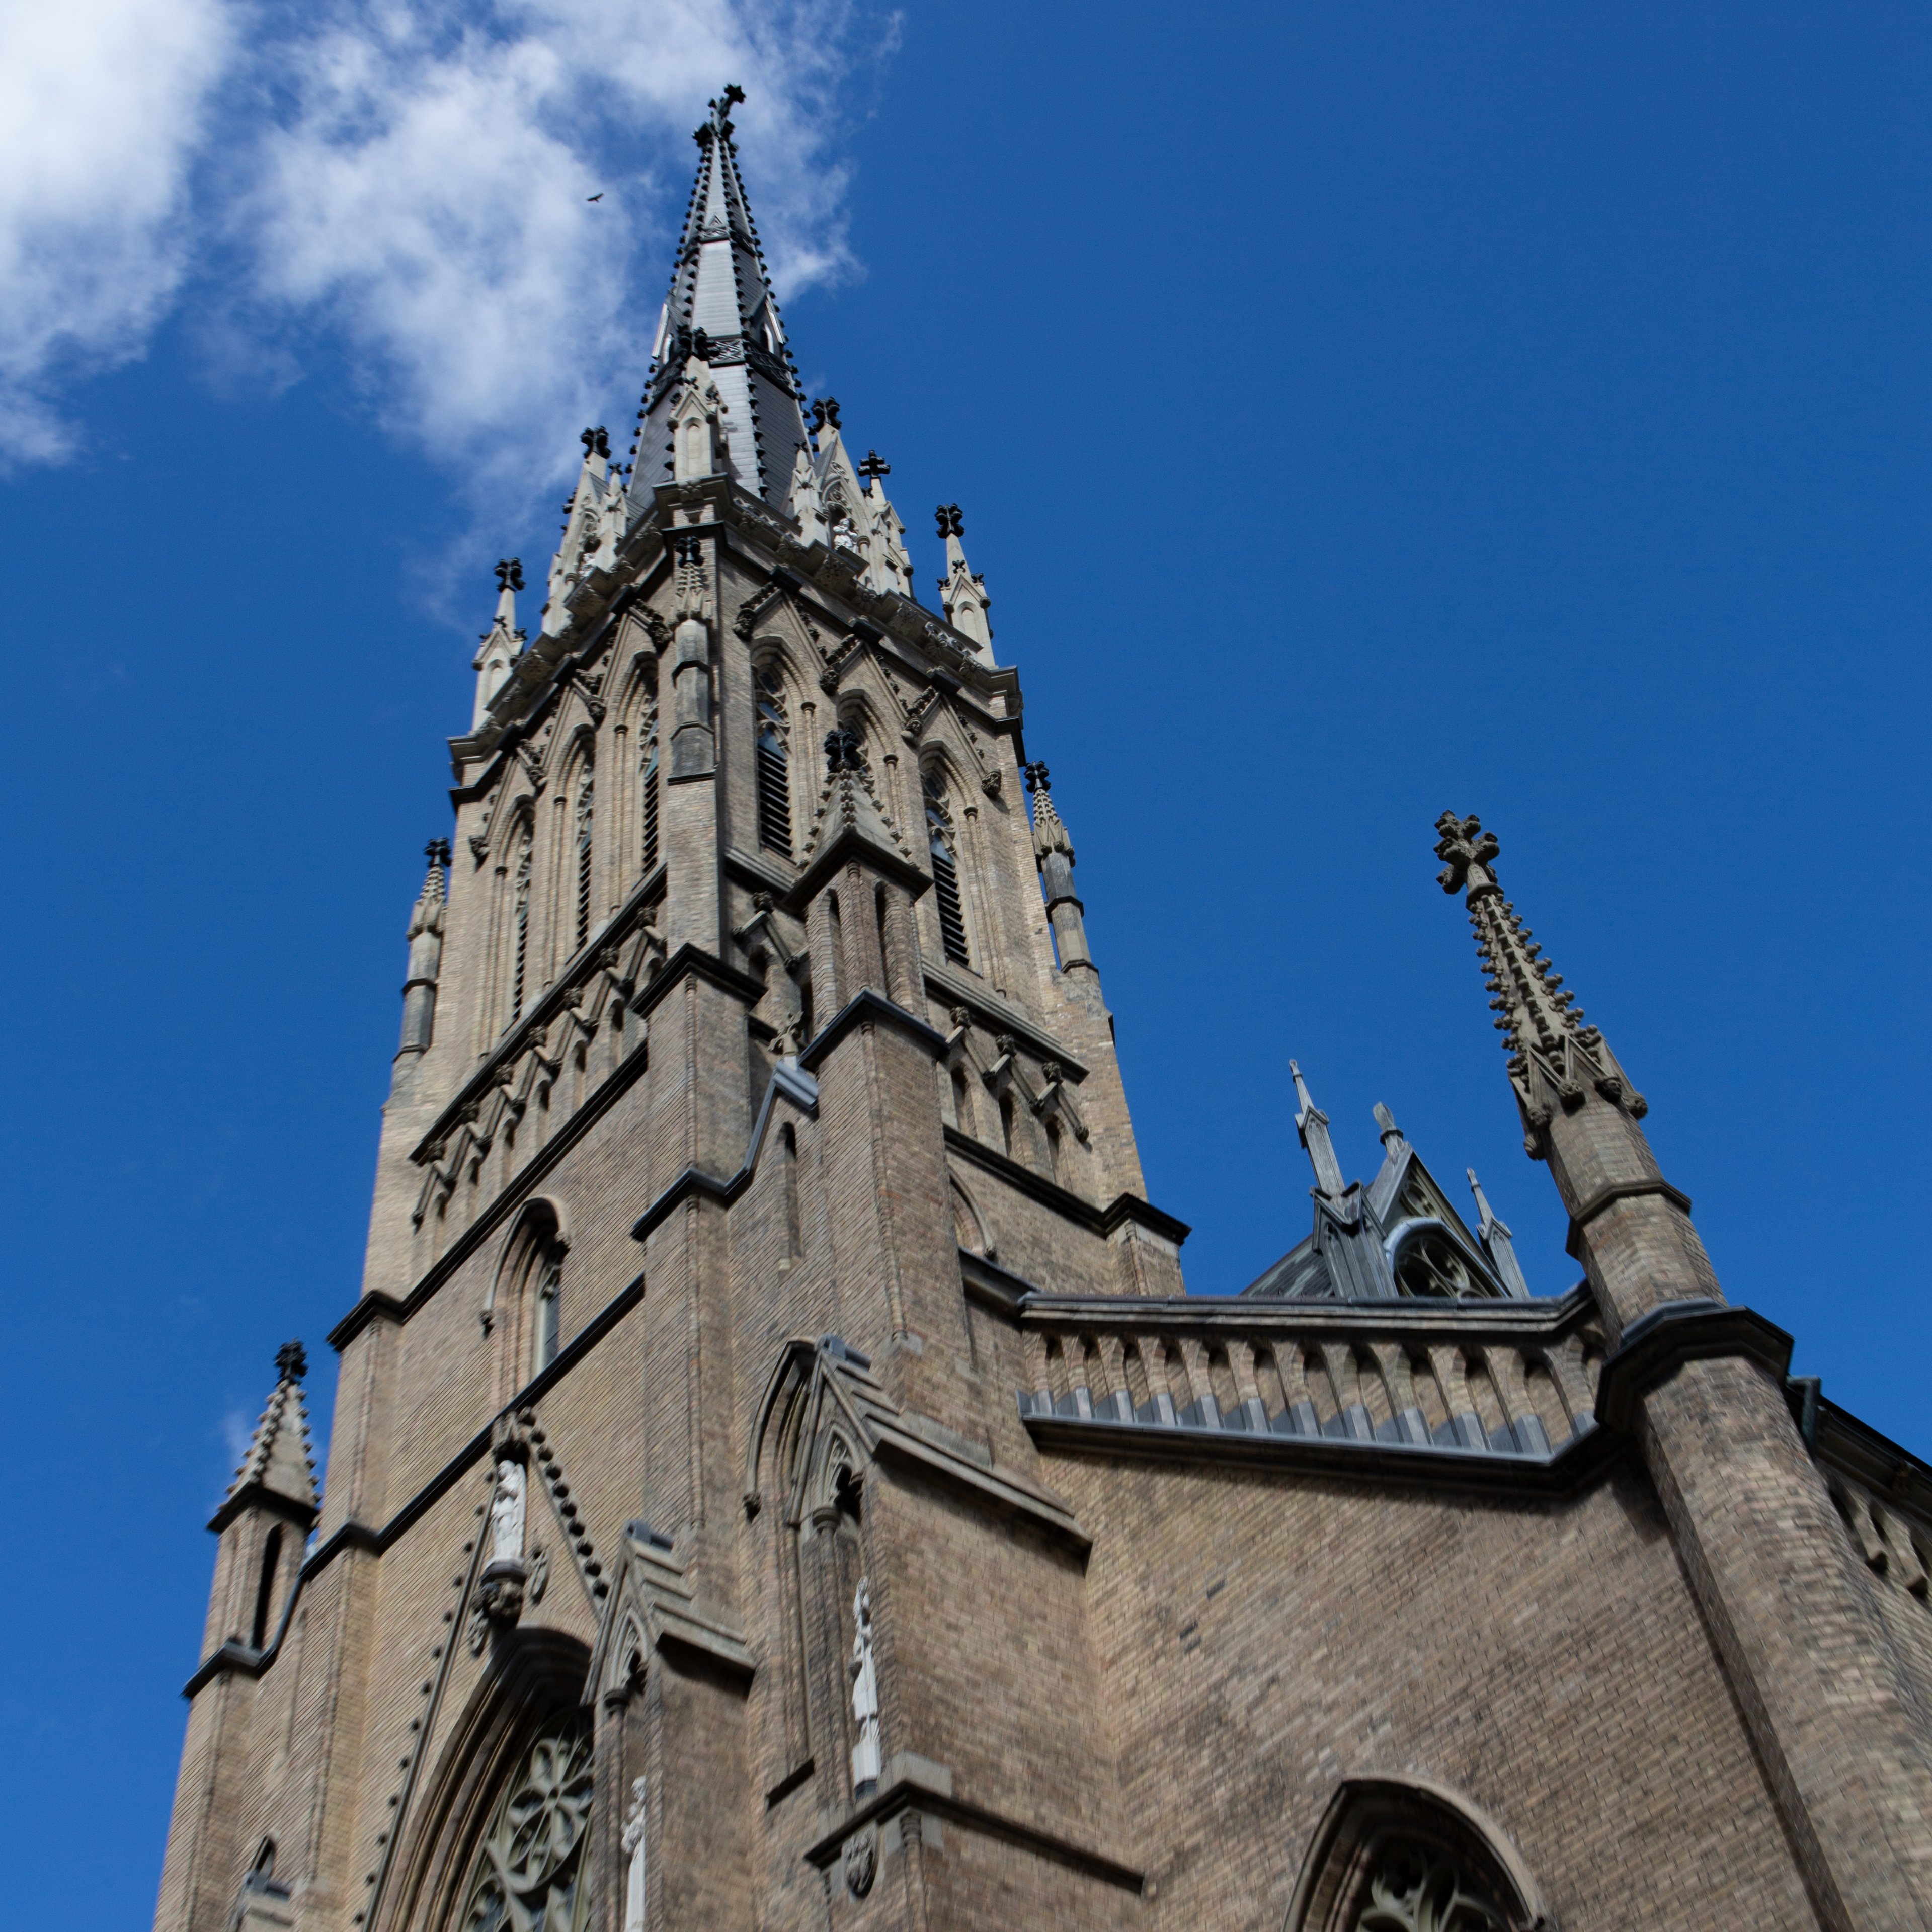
point(774, 761)
point(1398, 1854)
point(1428, 1262)
point(945, 868)
point(529, 1872)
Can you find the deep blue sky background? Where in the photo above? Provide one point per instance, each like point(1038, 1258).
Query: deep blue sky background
point(1356, 411)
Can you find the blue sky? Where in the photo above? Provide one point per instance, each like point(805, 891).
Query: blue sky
point(1356, 412)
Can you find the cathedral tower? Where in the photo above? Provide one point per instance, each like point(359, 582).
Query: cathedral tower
point(779, 1478)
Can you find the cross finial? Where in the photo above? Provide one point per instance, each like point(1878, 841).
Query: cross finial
point(844, 752)
point(823, 412)
point(596, 442)
point(509, 573)
point(875, 466)
point(1468, 852)
point(1036, 777)
point(721, 107)
point(292, 1361)
point(437, 851)
point(951, 524)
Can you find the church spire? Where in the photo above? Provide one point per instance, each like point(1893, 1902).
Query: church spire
point(721, 311)
point(1552, 1054)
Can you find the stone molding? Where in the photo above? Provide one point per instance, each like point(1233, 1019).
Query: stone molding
point(911, 1781)
point(1660, 1342)
point(1123, 1209)
point(868, 1008)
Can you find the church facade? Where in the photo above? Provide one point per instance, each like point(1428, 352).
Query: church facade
point(778, 1479)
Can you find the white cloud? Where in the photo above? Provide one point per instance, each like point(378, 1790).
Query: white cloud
point(418, 196)
point(102, 104)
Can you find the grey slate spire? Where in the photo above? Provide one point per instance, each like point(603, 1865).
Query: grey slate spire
point(721, 309)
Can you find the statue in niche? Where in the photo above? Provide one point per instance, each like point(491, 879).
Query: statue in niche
point(865, 1695)
point(506, 1515)
point(633, 1850)
point(499, 1594)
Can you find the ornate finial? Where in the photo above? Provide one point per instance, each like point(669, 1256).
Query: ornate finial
point(720, 111)
point(951, 524)
point(1469, 851)
point(437, 851)
point(874, 467)
point(689, 551)
point(1036, 777)
point(844, 751)
point(509, 573)
point(1385, 1125)
point(596, 442)
point(824, 412)
point(292, 1361)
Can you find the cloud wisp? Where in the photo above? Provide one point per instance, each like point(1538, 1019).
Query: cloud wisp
point(406, 181)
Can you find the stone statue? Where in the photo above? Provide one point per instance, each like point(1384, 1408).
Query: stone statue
point(506, 1515)
point(633, 1850)
point(865, 1695)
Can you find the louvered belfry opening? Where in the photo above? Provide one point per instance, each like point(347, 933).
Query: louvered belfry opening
point(774, 763)
point(945, 872)
point(585, 823)
point(648, 780)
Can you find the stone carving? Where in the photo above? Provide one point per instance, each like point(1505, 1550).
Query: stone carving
point(506, 1514)
point(539, 1568)
point(950, 522)
point(633, 1851)
point(529, 1870)
point(509, 573)
point(865, 1676)
point(861, 1861)
point(844, 751)
point(1412, 1888)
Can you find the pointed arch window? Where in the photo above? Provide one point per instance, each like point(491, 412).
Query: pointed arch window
point(587, 797)
point(945, 868)
point(774, 761)
point(264, 1589)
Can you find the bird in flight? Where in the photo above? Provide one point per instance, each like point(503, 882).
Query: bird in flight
point(597, 196)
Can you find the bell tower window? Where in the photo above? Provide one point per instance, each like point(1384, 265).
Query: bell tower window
point(945, 869)
point(774, 762)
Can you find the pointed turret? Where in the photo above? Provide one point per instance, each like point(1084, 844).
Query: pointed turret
point(263, 1523)
point(962, 594)
point(1311, 1124)
point(888, 566)
point(502, 643)
point(278, 1466)
point(1552, 1056)
point(1053, 852)
point(582, 514)
point(721, 311)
